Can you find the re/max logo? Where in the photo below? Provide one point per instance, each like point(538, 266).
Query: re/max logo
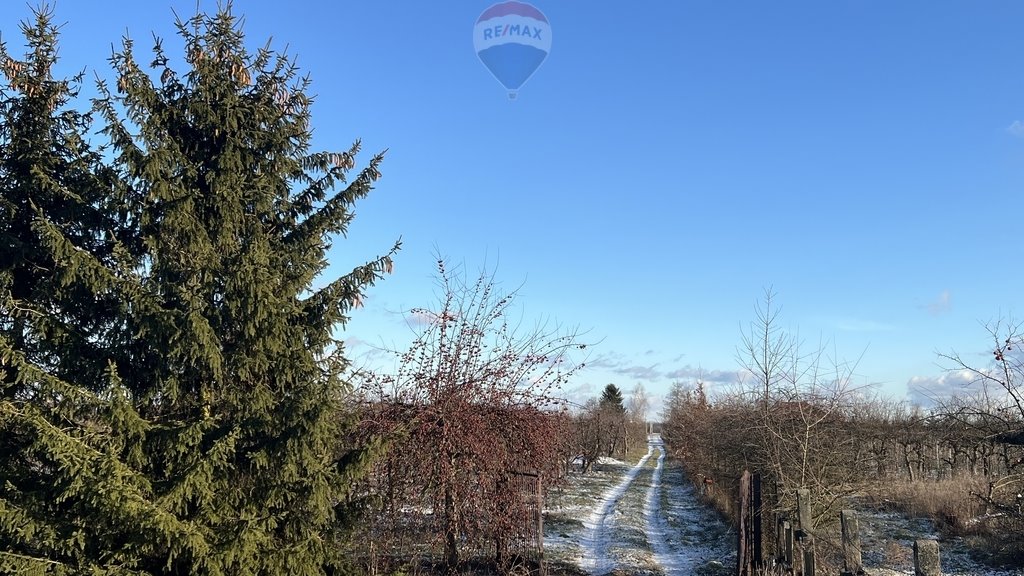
point(511, 30)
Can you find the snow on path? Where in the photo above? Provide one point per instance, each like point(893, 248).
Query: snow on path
point(652, 517)
point(594, 543)
point(685, 535)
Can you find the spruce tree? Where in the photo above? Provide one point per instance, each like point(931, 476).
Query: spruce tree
point(54, 411)
point(611, 397)
point(47, 170)
point(202, 434)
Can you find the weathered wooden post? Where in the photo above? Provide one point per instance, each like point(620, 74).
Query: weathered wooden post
point(808, 561)
point(788, 528)
point(852, 563)
point(804, 539)
point(744, 559)
point(758, 534)
point(780, 539)
point(803, 510)
point(926, 558)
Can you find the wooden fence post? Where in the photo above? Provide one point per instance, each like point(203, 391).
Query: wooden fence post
point(808, 561)
point(804, 538)
point(852, 562)
point(789, 543)
point(758, 534)
point(780, 539)
point(744, 560)
point(803, 510)
point(926, 558)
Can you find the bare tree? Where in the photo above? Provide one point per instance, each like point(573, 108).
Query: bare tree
point(1001, 383)
point(638, 406)
point(474, 402)
point(765, 348)
point(801, 394)
point(994, 411)
point(596, 429)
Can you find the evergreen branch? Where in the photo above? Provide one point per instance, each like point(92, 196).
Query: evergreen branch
point(99, 479)
point(25, 559)
point(21, 561)
point(80, 267)
point(327, 306)
point(334, 216)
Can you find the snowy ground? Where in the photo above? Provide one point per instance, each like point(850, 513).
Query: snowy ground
point(644, 518)
point(639, 519)
point(887, 540)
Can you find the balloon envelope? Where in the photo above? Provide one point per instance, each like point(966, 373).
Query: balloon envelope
point(512, 39)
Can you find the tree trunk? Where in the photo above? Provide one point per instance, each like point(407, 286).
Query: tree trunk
point(906, 461)
point(451, 536)
point(451, 512)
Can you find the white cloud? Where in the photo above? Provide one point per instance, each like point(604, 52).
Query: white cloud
point(649, 373)
point(942, 304)
point(932, 390)
point(633, 368)
point(618, 363)
point(712, 377)
point(606, 361)
point(353, 342)
point(1016, 129)
point(578, 395)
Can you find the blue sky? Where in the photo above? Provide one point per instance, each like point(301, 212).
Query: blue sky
point(667, 163)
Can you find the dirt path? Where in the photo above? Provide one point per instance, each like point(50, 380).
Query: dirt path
point(656, 525)
point(684, 536)
point(639, 519)
point(596, 540)
point(696, 540)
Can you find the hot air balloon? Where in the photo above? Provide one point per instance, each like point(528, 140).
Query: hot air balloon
point(512, 39)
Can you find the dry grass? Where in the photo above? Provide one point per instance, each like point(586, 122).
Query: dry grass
point(896, 556)
point(956, 511)
point(950, 503)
